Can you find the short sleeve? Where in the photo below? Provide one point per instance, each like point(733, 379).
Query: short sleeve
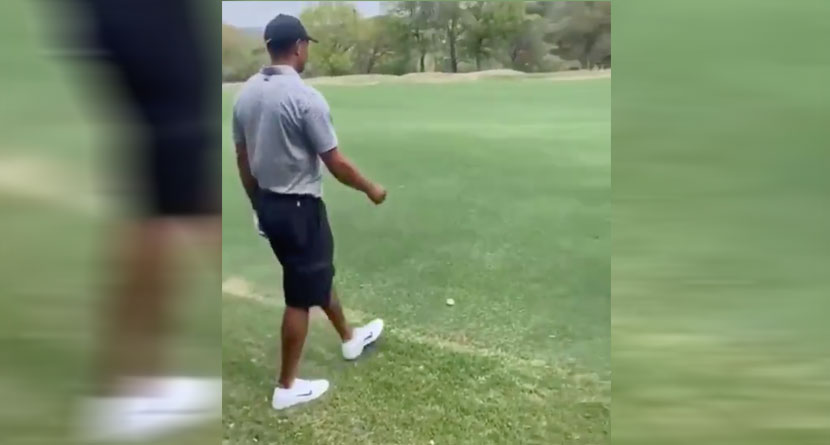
point(318, 125)
point(238, 130)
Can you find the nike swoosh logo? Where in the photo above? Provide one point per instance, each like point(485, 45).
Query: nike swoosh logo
point(369, 337)
point(304, 395)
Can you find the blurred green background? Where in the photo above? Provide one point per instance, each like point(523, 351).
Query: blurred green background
point(720, 192)
point(59, 142)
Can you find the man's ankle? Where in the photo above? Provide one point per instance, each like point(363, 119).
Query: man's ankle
point(349, 334)
point(285, 383)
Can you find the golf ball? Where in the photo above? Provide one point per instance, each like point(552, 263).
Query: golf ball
point(450, 302)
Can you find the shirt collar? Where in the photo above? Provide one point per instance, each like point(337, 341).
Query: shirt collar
point(271, 70)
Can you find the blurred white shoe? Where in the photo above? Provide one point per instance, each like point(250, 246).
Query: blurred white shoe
point(362, 337)
point(188, 394)
point(134, 419)
point(165, 405)
point(301, 391)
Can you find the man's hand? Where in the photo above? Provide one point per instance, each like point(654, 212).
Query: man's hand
point(347, 173)
point(258, 227)
point(248, 180)
point(377, 194)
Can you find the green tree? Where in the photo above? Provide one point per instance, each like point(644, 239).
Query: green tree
point(239, 57)
point(526, 36)
point(337, 26)
point(487, 26)
point(419, 18)
point(448, 21)
point(378, 38)
point(578, 30)
point(525, 49)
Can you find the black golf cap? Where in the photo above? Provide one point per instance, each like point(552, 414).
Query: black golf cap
point(285, 30)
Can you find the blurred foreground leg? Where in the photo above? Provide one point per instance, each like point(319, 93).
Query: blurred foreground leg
point(138, 306)
point(156, 56)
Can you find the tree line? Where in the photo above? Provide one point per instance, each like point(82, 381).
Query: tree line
point(420, 36)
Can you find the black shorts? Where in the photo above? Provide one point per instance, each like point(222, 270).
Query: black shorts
point(297, 227)
point(154, 50)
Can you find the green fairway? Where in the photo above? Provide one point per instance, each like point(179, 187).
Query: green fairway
point(499, 197)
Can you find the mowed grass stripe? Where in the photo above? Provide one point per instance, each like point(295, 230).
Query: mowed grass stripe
point(239, 289)
point(409, 387)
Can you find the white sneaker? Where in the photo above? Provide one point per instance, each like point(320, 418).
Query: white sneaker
point(362, 337)
point(301, 391)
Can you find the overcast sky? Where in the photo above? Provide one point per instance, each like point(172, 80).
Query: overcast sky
point(257, 14)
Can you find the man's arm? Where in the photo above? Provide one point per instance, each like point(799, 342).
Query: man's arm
point(248, 180)
point(346, 172)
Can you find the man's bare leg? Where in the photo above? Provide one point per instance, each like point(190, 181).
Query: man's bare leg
point(133, 341)
point(354, 339)
point(294, 331)
point(335, 313)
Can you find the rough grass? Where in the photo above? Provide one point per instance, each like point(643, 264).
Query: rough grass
point(499, 199)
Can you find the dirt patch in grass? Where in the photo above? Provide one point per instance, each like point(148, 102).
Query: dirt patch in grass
point(42, 181)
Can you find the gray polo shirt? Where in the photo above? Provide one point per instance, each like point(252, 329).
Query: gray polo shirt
point(285, 125)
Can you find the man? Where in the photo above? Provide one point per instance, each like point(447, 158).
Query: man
point(282, 130)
